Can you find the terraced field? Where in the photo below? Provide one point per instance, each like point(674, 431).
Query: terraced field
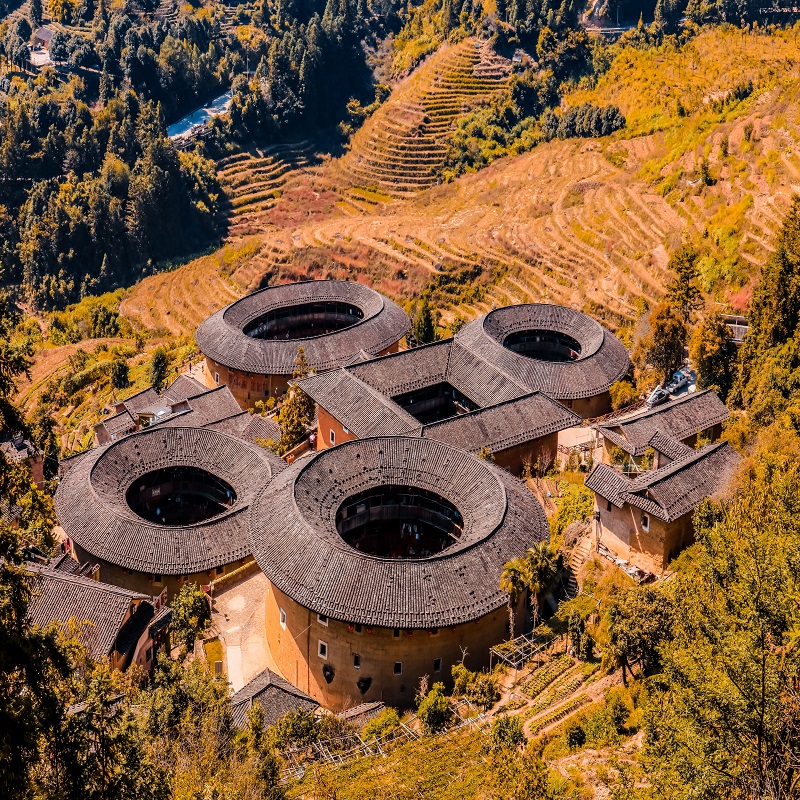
point(589, 223)
point(399, 149)
point(253, 181)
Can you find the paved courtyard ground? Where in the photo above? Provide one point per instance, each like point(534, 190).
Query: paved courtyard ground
point(239, 615)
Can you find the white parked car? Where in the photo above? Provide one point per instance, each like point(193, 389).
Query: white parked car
point(679, 380)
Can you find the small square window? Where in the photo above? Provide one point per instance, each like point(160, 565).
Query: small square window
point(220, 570)
point(322, 619)
point(156, 579)
point(608, 505)
point(645, 522)
point(216, 378)
point(283, 618)
point(437, 664)
point(396, 633)
point(398, 668)
point(322, 649)
point(333, 436)
point(358, 629)
point(356, 661)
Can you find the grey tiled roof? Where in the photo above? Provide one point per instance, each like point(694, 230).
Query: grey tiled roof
point(221, 336)
point(504, 425)
point(403, 372)
point(276, 696)
point(603, 358)
point(361, 714)
point(358, 406)
point(182, 388)
point(475, 363)
point(18, 450)
point(669, 446)
point(60, 597)
point(199, 410)
point(674, 490)
point(680, 419)
point(248, 426)
point(608, 483)
point(118, 424)
point(295, 541)
point(141, 400)
point(92, 509)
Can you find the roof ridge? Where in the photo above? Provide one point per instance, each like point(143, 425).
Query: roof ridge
point(82, 580)
point(657, 475)
point(636, 416)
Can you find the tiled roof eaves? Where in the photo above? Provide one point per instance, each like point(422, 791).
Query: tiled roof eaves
point(91, 505)
point(299, 549)
point(221, 336)
point(674, 418)
point(357, 410)
point(608, 483)
point(603, 358)
point(664, 492)
point(560, 420)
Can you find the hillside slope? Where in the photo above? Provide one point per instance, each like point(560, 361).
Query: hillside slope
point(589, 223)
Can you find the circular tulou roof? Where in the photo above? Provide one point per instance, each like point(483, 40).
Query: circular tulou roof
point(92, 508)
point(294, 538)
point(603, 358)
point(222, 338)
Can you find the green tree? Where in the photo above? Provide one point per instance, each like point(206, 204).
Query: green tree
point(159, 367)
point(725, 721)
point(191, 614)
point(513, 581)
point(435, 711)
point(639, 622)
point(662, 347)
point(296, 413)
point(119, 373)
point(43, 435)
point(682, 291)
point(541, 573)
point(713, 354)
point(422, 329)
point(769, 359)
point(35, 10)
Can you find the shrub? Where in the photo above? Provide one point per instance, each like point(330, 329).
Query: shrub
point(507, 733)
point(575, 735)
point(297, 728)
point(435, 711)
point(384, 723)
point(576, 504)
point(480, 688)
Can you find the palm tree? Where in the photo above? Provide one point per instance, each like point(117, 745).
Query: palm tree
point(540, 568)
point(513, 581)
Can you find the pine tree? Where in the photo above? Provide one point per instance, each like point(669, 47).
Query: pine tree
point(713, 355)
point(35, 8)
point(423, 329)
point(682, 291)
point(159, 365)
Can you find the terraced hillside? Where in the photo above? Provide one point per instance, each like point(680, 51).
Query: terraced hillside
point(254, 180)
point(399, 149)
point(590, 223)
